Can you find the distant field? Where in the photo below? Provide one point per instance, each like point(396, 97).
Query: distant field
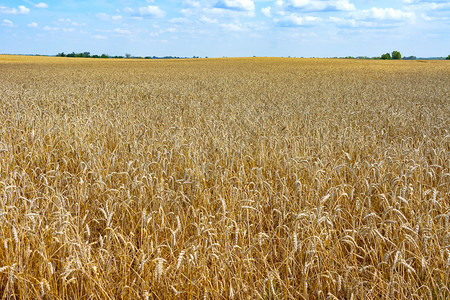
point(257, 178)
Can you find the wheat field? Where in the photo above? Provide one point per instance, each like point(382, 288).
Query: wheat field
point(238, 178)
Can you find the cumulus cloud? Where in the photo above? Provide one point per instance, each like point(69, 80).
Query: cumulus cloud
point(33, 25)
point(267, 11)
point(48, 28)
point(219, 8)
point(208, 20)
point(374, 18)
point(294, 20)
point(179, 21)
point(70, 22)
point(314, 5)
point(424, 1)
point(239, 5)
point(291, 13)
point(102, 16)
point(232, 27)
point(107, 17)
point(121, 31)
point(344, 22)
point(64, 29)
point(151, 11)
point(78, 24)
point(383, 14)
point(41, 5)
point(429, 5)
point(128, 10)
point(7, 23)
point(99, 37)
point(192, 4)
point(21, 10)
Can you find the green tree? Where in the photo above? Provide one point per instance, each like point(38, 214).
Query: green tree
point(396, 55)
point(104, 56)
point(448, 57)
point(128, 55)
point(386, 56)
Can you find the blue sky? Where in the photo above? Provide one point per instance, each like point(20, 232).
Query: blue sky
point(216, 28)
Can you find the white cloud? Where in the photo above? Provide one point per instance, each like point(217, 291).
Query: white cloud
point(64, 29)
point(179, 20)
point(121, 31)
point(217, 12)
point(48, 28)
point(232, 27)
point(290, 13)
point(151, 11)
point(433, 19)
point(267, 11)
point(70, 22)
point(208, 20)
point(107, 17)
point(220, 9)
point(7, 23)
point(21, 10)
point(78, 24)
point(239, 5)
point(295, 20)
point(102, 16)
point(41, 5)
point(375, 18)
point(344, 22)
point(424, 1)
point(383, 14)
point(314, 5)
point(33, 25)
point(99, 37)
point(428, 5)
point(187, 12)
point(193, 4)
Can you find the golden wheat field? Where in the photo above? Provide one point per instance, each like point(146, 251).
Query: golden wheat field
point(245, 178)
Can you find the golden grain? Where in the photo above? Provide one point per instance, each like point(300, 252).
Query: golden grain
point(224, 178)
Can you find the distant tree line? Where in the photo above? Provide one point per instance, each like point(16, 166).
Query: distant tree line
point(85, 55)
point(397, 55)
point(88, 55)
point(393, 55)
